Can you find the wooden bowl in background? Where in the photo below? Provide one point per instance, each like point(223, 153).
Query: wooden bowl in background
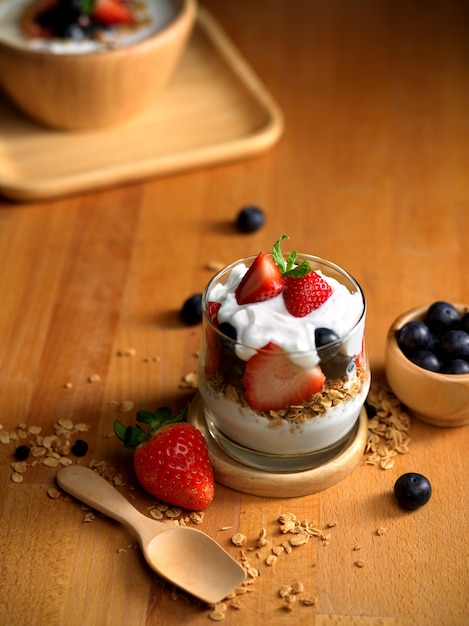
point(95, 89)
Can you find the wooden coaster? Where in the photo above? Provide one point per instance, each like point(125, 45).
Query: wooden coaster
point(239, 477)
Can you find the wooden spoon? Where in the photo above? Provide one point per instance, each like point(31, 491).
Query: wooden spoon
point(186, 557)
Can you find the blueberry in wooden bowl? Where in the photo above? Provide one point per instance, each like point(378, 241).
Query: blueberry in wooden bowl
point(427, 362)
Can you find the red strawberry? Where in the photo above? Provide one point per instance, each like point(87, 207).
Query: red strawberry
point(305, 294)
point(170, 459)
point(112, 12)
point(262, 281)
point(360, 359)
point(273, 381)
point(213, 351)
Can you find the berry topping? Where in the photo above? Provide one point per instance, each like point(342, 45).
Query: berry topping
point(323, 336)
point(262, 281)
point(412, 490)
point(273, 381)
point(305, 294)
point(170, 458)
point(79, 448)
point(441, 316)
point(305, 290)
point(250, 219)
point(22, 453)
point(191, 312)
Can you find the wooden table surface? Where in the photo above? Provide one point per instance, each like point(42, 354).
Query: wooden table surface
point(372, 172)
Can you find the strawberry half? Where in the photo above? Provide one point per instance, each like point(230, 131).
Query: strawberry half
point(305, 294)
point(273, 381)
point(112, 12)
point(262, 281)
point(170, 459)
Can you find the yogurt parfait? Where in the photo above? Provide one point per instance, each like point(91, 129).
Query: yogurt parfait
point(283, 372)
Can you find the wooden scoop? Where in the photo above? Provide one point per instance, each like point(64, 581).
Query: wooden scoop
point(186, 557)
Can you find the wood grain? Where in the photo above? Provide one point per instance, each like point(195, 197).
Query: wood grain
point(371, 173)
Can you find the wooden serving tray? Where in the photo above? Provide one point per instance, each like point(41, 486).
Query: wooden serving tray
point(214, 110)
point(235, 475)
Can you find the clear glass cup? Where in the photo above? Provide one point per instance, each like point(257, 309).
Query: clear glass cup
point(313, 429)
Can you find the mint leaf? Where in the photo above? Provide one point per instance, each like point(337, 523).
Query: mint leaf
point(86, 6)
point(300, 270)
point(277, 253)
point(289, 268)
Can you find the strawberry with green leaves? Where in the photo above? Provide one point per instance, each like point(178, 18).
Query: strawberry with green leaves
point(170, 458)
point(304, 289)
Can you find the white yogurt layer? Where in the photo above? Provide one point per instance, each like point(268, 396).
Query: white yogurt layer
point(259, 323)
point(254, 431)
point(160, 12)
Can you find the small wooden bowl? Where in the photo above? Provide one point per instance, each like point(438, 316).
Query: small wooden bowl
point(95, 89)
point(437, 399)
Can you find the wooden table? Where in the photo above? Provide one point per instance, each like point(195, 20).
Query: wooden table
point(372, 173)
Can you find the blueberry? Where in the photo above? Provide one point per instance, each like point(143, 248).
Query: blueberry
point(427, 360)
point(192, 310)
point(250, 219)
point(324, 336)
point(464, 323)
point(412, 490)
point(338, 366)
point(456, 366)
point(413, 336)
point(441, 316)
point(22, 453)
point(455, 344)
point(228, 330)
point(79, 448)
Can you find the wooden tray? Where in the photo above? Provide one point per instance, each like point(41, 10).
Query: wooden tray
point(214, 110)
point(239, 477)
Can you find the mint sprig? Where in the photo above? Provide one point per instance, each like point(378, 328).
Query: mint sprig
point(289, 267)
point(86, 6)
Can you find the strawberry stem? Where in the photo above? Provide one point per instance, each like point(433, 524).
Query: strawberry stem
point(133, 436)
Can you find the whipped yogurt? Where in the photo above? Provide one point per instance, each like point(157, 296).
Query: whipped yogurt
point(259, 323)
point(158, 14)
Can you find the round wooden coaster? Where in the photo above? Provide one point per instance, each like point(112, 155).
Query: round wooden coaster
point(239, 477)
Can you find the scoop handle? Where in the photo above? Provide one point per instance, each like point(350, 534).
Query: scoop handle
point(92, 489)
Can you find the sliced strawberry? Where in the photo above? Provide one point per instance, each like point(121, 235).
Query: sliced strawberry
point(112, 12)
point(213, 351)
point(262, 281)
point(305, 294)
point(360, 359)
point(273, 381)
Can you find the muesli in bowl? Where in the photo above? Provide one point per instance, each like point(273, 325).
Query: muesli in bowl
point(283, 371)
point(80, 64)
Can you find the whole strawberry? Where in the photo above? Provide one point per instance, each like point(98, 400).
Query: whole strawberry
point(170, 458)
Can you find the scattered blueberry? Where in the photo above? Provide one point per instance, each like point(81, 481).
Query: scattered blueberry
point(250, 219)
point(79, 448)
point(192, 310)
point(22, 453)
point(441, 316)
point(412, 490)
